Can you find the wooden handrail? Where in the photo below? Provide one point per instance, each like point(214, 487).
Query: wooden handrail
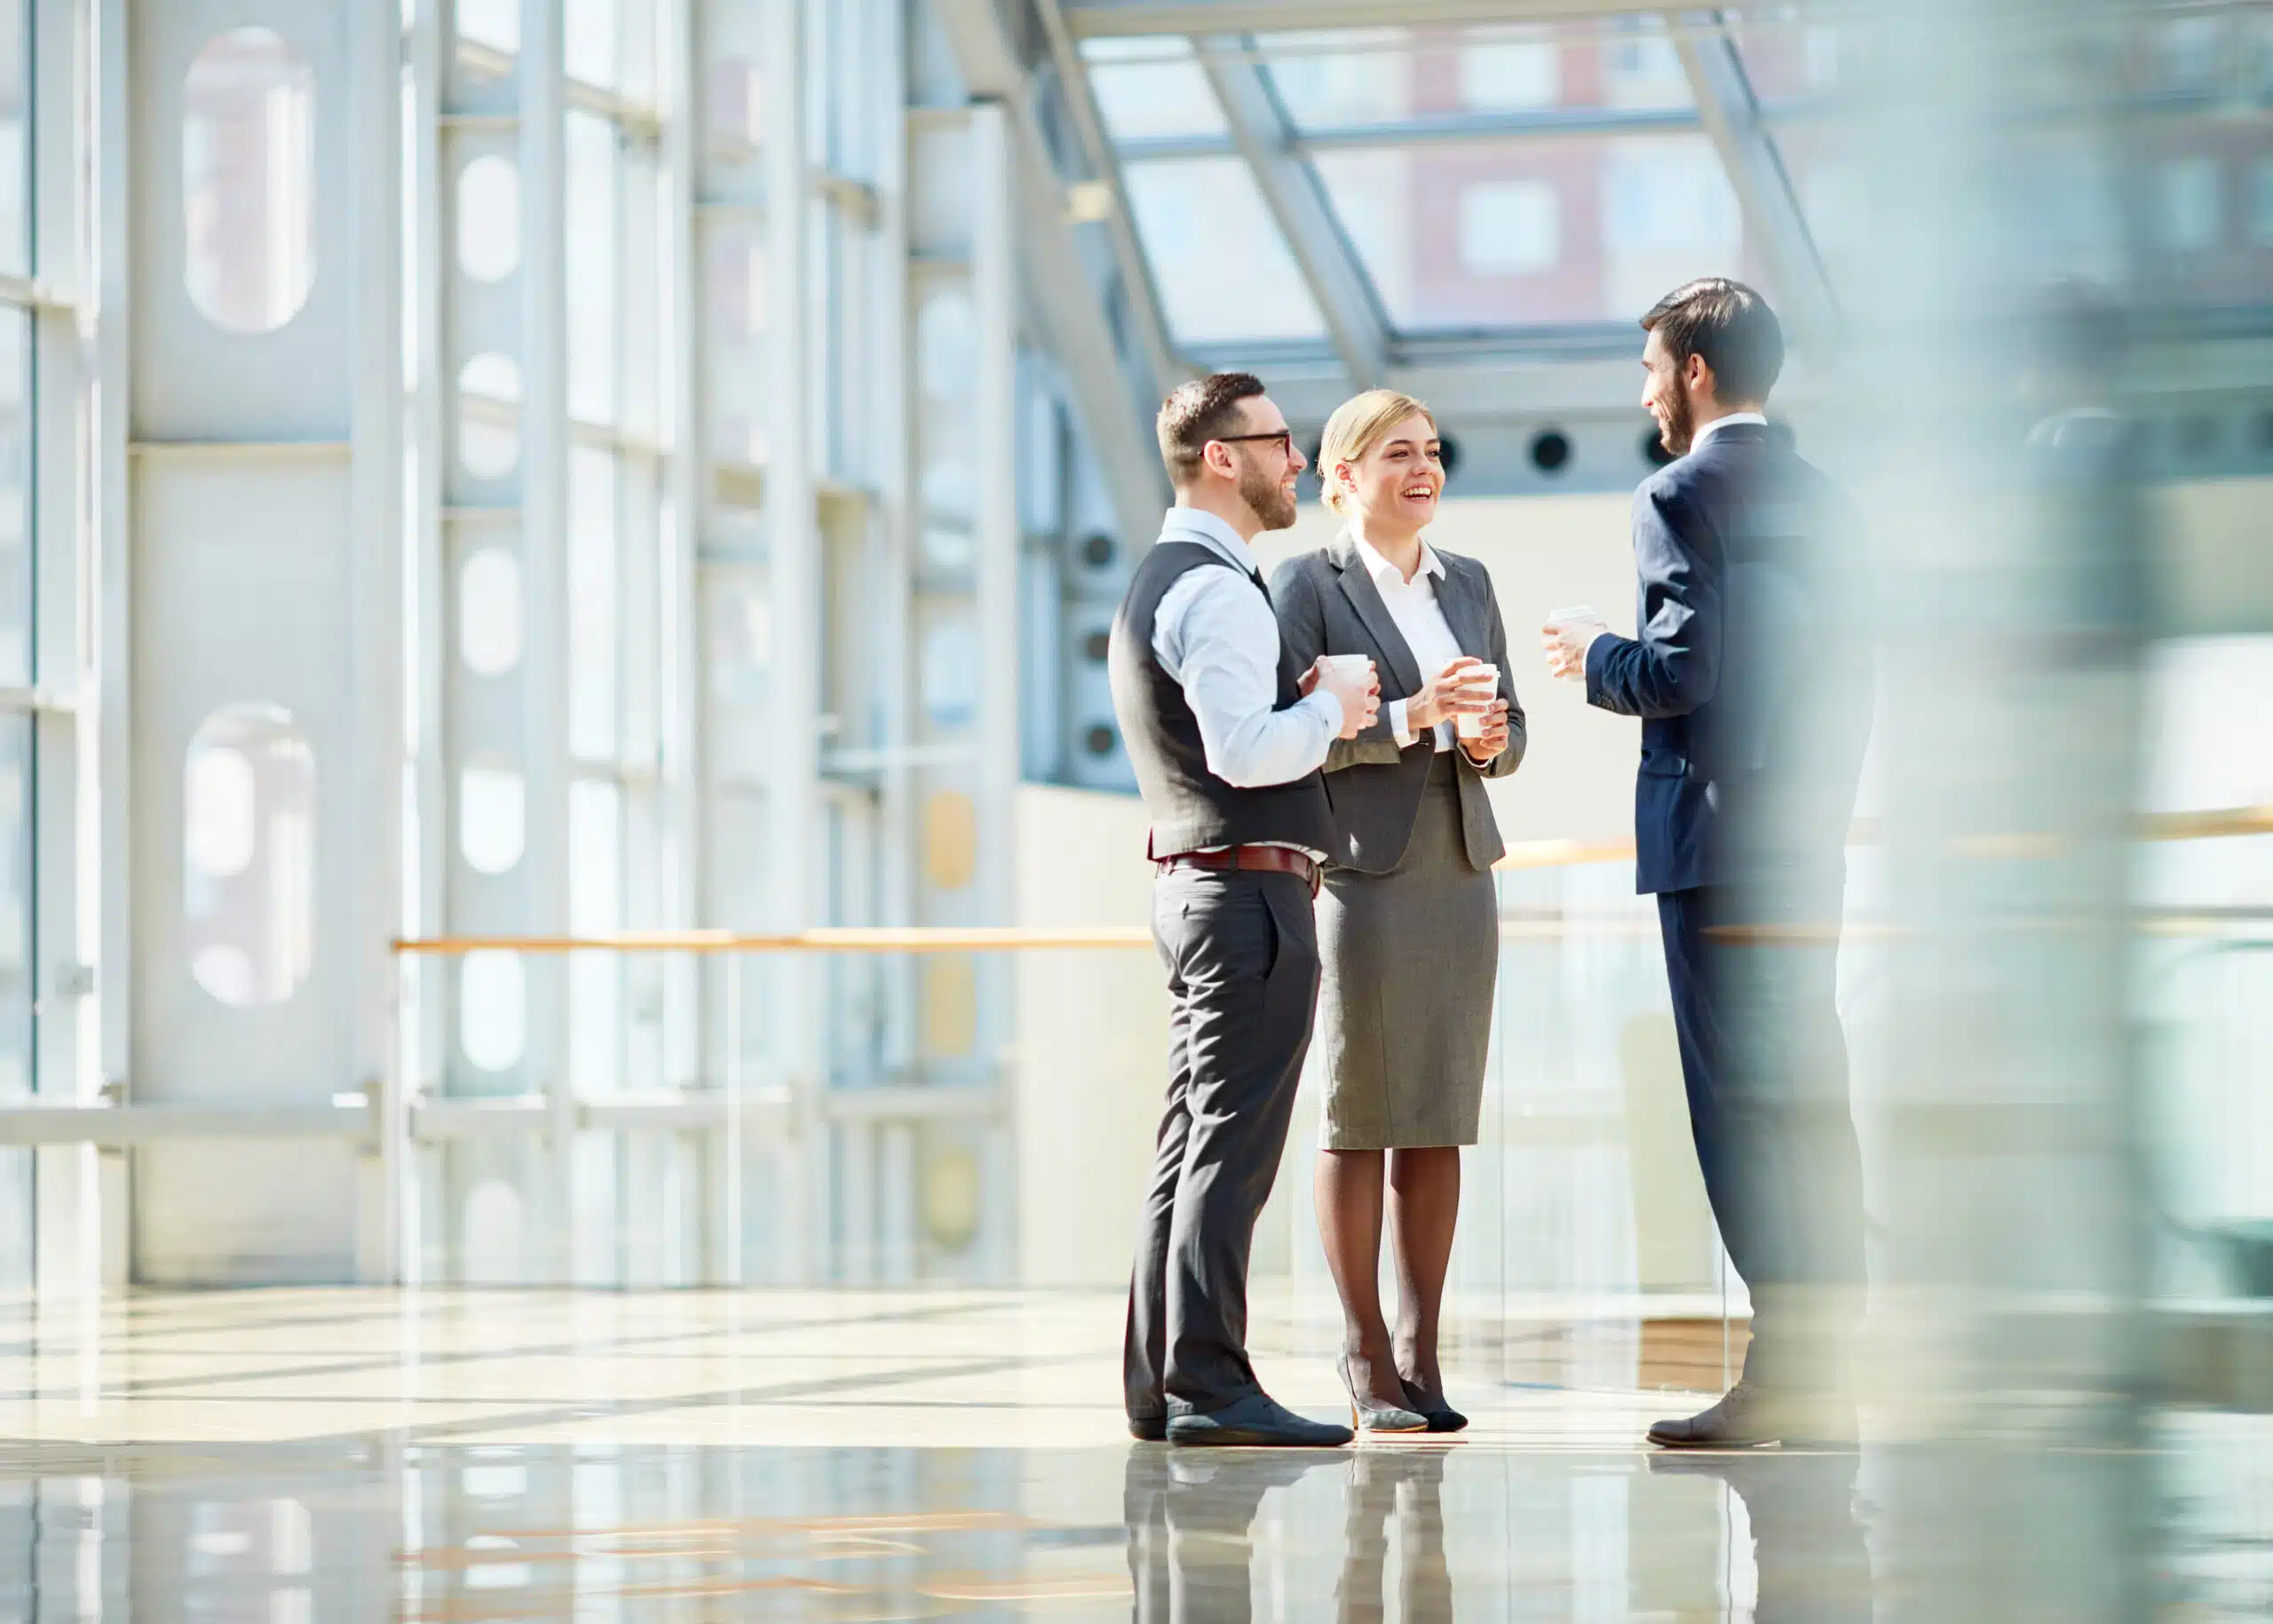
point(2221, 823)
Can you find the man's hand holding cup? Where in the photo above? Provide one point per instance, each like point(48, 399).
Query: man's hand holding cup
point(1567, 636)
point(1351, 679)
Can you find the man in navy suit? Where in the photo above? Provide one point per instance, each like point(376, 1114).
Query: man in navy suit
point(1752, 677)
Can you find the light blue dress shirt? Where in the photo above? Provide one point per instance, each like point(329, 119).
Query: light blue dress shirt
point(1215, 635)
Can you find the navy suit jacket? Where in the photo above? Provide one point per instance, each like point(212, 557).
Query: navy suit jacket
point(1752, 674)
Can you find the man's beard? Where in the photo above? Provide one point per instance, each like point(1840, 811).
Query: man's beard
point(1272, 503)
point(1680, 430)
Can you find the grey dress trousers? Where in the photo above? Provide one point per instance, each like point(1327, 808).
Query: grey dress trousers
point(1408, 923)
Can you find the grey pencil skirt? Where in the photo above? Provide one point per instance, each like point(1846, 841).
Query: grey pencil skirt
point(1405, 1007)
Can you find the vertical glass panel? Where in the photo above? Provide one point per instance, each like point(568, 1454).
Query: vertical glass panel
point(249, 805)
point(491, 826)
point(489, 611)
point(733, 376)
point(595, 908)
point(732, 111)
point(1535, 231)
point(593, 245)
point(490, 415)
point(492, 1016)
point(489, 218)
point(950, 672)
point(1152, 88)
point(15, 138)
point(16, 903)
point(248, 157)
point(595, 580)
point(495, 23)
point(1225, 271)
point(15, 498)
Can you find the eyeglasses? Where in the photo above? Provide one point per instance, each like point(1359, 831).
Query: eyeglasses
point(1285, 437)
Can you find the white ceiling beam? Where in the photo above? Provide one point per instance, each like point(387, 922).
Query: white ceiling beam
point(1290, 188)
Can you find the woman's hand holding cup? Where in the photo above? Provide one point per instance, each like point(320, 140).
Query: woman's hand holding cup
point(1462, 691)
point(1492, 737)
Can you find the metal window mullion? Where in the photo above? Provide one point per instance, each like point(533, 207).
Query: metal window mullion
point(678, 798)
point(544, 668)
point(996, 546)
point(795, 898)
point(1322, 251)
point(436, 639)
point(376, 567)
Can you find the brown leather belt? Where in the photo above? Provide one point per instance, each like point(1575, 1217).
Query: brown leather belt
point(1268, 859)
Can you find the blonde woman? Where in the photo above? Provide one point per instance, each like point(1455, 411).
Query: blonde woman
point(1408, 923)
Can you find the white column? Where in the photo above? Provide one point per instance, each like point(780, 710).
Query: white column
point(545, 539)
point(797, 857)
point(994, 276)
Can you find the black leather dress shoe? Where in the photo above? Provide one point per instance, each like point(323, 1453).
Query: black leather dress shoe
point(1257, 1421)
point(1149, 1428)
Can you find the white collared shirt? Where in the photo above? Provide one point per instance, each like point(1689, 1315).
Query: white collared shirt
point(1420, 620)
point(1696, 440)
point(1215, 635)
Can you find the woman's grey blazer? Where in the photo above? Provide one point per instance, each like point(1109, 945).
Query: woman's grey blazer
point(1328, 605)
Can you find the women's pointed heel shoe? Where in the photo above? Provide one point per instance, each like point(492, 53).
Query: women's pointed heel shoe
point(1368, 1413)
point(1444, 1418)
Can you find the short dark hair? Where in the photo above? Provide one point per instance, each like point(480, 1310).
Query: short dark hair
point(1206, 408)
point(1730, 326)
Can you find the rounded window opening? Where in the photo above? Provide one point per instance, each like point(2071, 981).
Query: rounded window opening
point(1550, 451)
point(1097, 646)
point(489, 416)
point(1097, 551)
point(249, 805)
point(489, 218)
point(1653, 448)
point(491, 828)
point(1098, 741)
point(247, 157)
point(491, 1018)
point(489, 611)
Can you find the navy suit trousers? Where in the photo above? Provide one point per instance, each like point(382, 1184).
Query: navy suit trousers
point(1753, 969)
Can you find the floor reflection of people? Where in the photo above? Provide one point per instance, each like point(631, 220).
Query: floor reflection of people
point(1813, 1563)
point(1410, 1484)
point(1190, 1518)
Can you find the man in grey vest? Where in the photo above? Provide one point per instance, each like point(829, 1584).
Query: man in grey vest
point(1227, 736)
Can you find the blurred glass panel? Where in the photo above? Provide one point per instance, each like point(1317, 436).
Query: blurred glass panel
point(18, 1030)
point(595, 908)
point(248, 805)
point(248, 158)
point(15, 138)
point(595, 583)
point(1354, 77)
point(16, 404)
point(489, 218)
point(1536, 231)
point(1225, 273)
point(735, 370)
point(1146, 88)
point(594, 225)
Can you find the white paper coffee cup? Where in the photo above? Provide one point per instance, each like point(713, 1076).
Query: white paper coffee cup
point(1349, 665)
point(1475, 679)
point(1571, 616)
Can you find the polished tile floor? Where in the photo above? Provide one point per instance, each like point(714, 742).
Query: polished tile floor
point(303, 1455)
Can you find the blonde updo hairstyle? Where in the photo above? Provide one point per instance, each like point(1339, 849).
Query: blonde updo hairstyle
point(1358, 425)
